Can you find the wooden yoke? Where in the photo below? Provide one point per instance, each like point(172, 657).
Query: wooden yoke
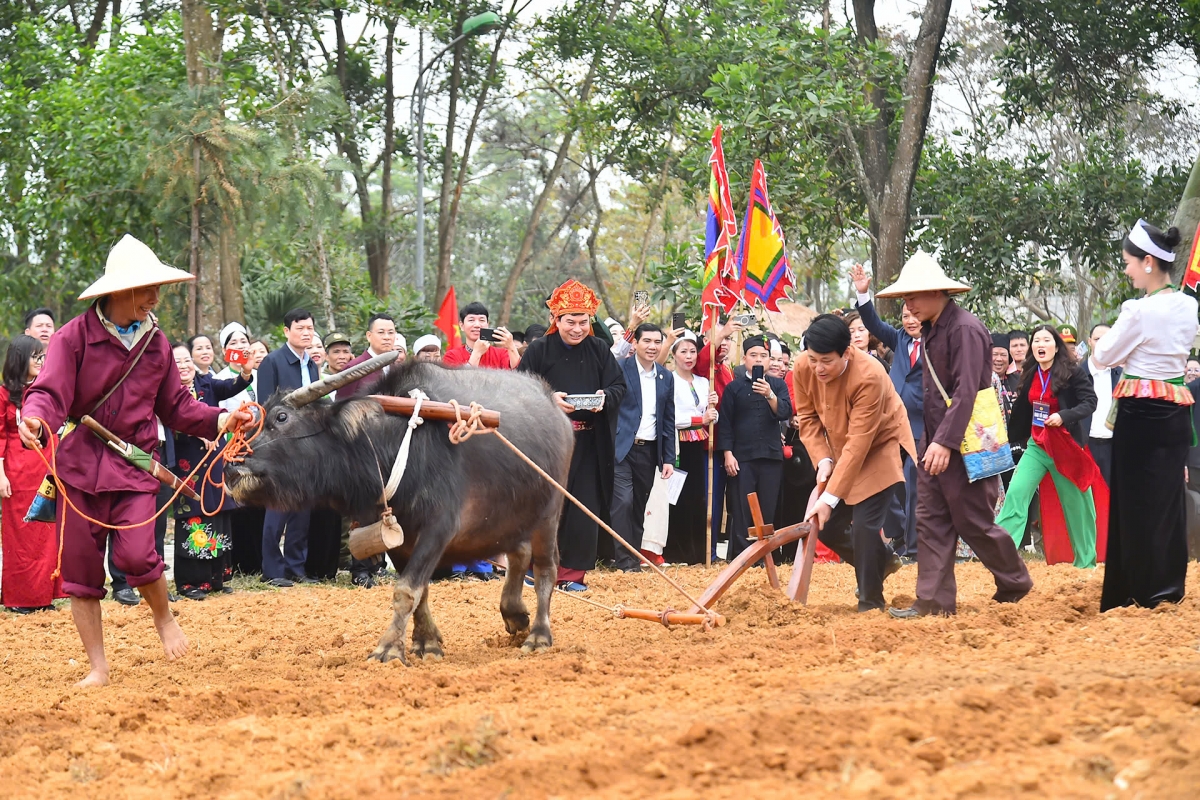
point(768, 539)
point(442, 412)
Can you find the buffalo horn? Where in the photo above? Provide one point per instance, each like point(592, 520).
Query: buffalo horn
point(315, 391)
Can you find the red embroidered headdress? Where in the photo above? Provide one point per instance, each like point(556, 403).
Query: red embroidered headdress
point(572, 298)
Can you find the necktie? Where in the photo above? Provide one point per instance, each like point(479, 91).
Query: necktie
point(915, 354)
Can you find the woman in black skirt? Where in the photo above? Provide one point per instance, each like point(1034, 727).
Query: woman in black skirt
point(202, 559)
point(1152, 429)
point(695, 408)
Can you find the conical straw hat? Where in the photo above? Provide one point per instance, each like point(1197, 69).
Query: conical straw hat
point(132, 265)
point(922, 273)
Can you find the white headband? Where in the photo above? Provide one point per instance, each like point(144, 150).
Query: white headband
point(229, 330)
point(1140, 238)
point(687, 336)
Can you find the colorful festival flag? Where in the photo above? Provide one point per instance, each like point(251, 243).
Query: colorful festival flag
point(721, 280)
point(1191, 276)
point(447, 320)
point(761, 257)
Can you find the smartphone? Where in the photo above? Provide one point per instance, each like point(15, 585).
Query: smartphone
point(235, 356)
point(641, 298)
point(746, 319)
point(756, 373)
point(489, 335)
point(678, 320)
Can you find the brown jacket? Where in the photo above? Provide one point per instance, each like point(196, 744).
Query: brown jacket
point(857, 420)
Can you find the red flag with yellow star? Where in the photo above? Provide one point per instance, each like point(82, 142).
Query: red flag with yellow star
point(447, 320)
point(1191, 276)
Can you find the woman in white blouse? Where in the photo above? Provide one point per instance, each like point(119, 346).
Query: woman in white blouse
point(1152, 428)
point(695, 408)
point(236, 336)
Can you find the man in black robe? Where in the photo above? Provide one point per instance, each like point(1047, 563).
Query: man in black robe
point(574, 362)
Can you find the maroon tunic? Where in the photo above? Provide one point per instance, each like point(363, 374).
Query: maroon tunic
point(949, 506)
point(83, 362)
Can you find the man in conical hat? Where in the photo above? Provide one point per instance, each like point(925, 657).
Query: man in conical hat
point(112, 362)
point(958, 350)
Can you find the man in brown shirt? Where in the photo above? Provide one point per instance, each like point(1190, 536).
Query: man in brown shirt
point(949, 506)
point(854, 426)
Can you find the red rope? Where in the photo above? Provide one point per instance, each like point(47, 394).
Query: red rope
point(234, 451)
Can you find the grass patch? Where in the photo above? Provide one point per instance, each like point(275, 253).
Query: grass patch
point(467, 752)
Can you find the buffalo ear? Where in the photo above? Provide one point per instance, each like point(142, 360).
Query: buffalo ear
point(350, 419)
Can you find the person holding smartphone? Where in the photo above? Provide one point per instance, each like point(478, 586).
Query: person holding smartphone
point(748, 438)
point(493, 348)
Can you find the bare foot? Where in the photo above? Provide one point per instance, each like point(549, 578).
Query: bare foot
point(94, 678)
point(174, 642)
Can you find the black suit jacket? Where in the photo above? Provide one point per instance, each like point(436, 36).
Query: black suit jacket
point(280, 371)
point(1076, 401)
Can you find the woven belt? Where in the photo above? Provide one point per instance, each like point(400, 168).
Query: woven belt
point(580, 425)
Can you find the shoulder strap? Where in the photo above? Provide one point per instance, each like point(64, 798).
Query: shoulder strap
point(936, 382)
point(145, 344)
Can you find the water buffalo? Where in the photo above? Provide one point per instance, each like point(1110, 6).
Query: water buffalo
point(455, 503)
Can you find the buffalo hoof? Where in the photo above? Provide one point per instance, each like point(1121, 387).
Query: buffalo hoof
point(428, 651)
point(516, 623)
point(537, 642)
point(386, 653)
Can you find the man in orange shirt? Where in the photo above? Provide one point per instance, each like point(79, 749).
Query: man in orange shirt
point(854, 426)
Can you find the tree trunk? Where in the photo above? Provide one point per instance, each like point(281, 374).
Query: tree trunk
point(231, 272)
point(193, 309)
point(539, 207)
point(445, 237)
point(216, 295)
point(448, 215)
point(375, 243)
point(384, 238)
point(888, 180)
point(1187, 217)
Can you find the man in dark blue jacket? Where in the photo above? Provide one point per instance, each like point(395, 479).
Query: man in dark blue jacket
point(900, 525)
point(645, 438)
point(749, 441)
point(283, 370)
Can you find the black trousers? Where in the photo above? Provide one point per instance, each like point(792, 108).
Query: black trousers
point(901, 520)
point(160, 537)
point(761, 475)
point(632, 481)
point(853, 533)
point(1102, 454)
point(324, 544)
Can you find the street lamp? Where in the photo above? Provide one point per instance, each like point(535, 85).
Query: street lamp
point(472, 26)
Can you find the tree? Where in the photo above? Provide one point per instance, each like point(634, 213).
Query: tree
point(1093, 59)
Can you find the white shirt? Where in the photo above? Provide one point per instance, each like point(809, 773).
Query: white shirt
point(1102, 383)
point(247, 395)
point(687, 406)
point(647, 428)
point(1151, 337)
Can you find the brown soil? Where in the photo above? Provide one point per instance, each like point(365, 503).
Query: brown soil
point(1046, 698)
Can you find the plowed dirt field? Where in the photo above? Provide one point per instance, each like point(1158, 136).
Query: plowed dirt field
point(1046, 698)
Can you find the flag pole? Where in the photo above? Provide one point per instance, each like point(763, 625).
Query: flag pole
point(712, 442)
